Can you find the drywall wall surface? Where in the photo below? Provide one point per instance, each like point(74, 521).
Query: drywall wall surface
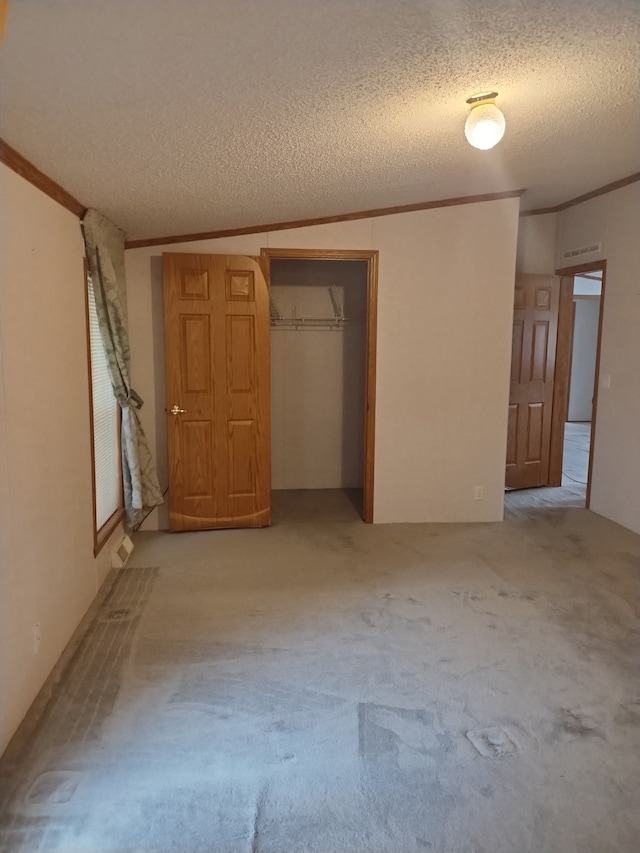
point(48, 574)
point(583, 358)
point(537, 244)
point(612, 219)
point(318, 375)
point(7, 725)
point(445, 315)
point(445, 310)
point(357, 234)
point(582, 227)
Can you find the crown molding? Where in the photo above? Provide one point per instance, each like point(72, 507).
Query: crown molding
point(25, 168)
point(607, 188)
point(321, 220)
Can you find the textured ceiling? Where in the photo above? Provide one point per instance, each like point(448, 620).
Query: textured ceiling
point(176, 117)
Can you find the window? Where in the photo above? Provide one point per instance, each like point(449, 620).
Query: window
point(105, 423)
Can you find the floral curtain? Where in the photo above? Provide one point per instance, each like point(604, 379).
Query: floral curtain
point(105, 255)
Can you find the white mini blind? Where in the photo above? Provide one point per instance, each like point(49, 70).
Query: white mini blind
point(106, 424)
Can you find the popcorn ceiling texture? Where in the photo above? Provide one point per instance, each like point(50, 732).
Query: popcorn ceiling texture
point(210, 114)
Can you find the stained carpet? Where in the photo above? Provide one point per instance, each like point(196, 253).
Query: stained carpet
point(326, 685)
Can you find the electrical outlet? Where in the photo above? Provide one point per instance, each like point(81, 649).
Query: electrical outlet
point(478, 493)
point(36, 638)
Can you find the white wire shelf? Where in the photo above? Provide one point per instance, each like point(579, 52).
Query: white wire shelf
point(331, 323)
point(336, 322)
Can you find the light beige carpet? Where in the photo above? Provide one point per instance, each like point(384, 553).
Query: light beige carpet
point(325, 686)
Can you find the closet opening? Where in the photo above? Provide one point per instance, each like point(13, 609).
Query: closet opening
point(322, 307)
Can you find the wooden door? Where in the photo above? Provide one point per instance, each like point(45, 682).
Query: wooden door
point(217, 377)
point(535, 326)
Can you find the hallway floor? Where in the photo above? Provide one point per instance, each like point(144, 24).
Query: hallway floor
point(575, 456)
point(326, 686)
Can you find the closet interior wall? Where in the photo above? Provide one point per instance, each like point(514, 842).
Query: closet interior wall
point(317, 373)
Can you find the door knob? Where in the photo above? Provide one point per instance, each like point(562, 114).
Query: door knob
point(176, 410)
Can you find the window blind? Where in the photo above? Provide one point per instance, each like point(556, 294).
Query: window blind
point(106, 424)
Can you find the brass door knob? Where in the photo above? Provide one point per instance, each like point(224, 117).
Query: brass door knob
point(176, 410)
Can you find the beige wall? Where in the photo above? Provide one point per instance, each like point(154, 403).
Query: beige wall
point(47, 570)
point(612, 220)
point(444, 344)
point(537, 244)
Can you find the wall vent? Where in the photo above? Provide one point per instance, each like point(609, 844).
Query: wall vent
point(121, 554)
point(583, 250)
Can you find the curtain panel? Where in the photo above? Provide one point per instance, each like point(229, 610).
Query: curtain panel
point(104, 243)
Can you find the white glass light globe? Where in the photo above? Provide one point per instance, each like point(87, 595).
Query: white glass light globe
point(484, 126)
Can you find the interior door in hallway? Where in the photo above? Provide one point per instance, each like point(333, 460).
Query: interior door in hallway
point(535, 326)
point(216, 313)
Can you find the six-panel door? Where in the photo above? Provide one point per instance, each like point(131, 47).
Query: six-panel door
point(217, 379)
point(533, 354)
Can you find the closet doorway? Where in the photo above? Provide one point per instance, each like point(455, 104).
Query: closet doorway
point(323, 345)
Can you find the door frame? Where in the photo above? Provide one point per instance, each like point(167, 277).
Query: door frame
point(564, 348)
point(371, 259)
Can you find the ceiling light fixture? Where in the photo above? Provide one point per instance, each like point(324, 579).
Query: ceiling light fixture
point(485, 124)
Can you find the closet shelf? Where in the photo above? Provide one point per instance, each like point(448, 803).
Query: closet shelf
point(297, 321)
point(294, 323)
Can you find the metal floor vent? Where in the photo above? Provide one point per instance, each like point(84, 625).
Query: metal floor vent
point(121, 554)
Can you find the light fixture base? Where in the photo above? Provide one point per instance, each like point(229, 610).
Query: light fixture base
point(482, 96)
